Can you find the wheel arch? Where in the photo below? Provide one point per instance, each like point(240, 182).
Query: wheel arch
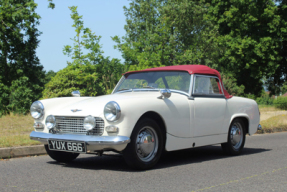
point(244, 118)
point(158, 118)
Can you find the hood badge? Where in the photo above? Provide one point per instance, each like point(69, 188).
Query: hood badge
point(75, 110)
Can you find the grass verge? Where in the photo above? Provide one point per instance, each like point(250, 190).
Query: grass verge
point(267, 108)
point(274, 124)
point(15, 131)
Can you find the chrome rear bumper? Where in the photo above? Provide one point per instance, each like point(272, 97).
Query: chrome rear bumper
point(93, 143)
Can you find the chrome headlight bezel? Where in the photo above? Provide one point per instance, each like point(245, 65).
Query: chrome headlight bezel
point(50, 122)
point(37, 110)
point(89, 123)
point(112, 111)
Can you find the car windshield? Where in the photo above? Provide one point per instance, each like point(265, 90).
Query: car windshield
point(172, 80)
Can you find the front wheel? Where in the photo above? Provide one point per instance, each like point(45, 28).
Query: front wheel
point(61, 156)
point(236, 138)
point(146, 145)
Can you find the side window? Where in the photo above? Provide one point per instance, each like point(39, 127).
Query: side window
point(206, 86)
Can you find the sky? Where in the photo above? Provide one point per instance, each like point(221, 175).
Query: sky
point(104, 17)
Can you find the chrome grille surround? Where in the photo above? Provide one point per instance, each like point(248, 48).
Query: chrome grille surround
point(76, 125)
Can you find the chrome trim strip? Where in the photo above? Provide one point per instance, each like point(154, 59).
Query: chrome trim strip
point(150, 90)
point(145, 89)
point(94, 143)
point(190, 85)
point(120, 81)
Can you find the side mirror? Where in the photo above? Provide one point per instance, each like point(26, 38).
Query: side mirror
point(76, 93)
point(165, 93)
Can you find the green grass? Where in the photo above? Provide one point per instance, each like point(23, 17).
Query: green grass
point(15, 131)
point(274, 124)
point(267, 108)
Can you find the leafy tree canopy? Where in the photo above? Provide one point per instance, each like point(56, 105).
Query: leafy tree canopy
point(74, 77)
point(246, 39)
point(19, 65)
point(89, 72)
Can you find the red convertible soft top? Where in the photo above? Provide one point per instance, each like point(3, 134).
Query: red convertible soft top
point(191, 69)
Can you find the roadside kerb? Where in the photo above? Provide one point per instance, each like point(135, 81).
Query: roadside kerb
point(22, 151)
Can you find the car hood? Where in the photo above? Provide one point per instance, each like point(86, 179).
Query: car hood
point(83, 106)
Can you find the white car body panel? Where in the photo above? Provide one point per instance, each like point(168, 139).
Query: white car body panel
point(185, 124)
point(190, 121)
point(209, 115)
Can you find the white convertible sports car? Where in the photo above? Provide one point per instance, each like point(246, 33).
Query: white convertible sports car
point(148, 112)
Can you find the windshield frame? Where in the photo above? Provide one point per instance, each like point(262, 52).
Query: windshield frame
point(155, 89)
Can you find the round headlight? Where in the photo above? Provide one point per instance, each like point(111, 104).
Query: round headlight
point(37, 110)
point(50, 122)
point(89, 123)
point(112, 111)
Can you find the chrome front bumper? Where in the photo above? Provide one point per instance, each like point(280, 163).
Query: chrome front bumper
point(93, 143)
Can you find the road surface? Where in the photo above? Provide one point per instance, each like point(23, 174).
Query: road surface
point(261, 167)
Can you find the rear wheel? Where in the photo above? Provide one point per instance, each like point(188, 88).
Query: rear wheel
point(61, 156)
point(146, 145)
point(236, 138)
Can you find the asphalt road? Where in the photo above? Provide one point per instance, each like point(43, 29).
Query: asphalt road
point(261, 167)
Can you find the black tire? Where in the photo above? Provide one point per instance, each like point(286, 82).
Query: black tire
point(146, 146)
point(61, 156)
point(236, 138)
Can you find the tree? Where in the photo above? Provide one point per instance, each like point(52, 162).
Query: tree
point(231, 86)
point(86, 40)
point(18, 60)
point(49, 75)
point(162, 33)
point(89, 71)
point(248, 40)
point(74, 77)
point(279, 78)
point(284, 88)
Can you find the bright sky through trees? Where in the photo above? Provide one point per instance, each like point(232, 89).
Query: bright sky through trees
point(105, 18)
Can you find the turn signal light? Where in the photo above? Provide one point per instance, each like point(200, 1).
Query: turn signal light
point(112, 129)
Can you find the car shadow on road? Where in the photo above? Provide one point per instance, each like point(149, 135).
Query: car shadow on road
point(115, 162)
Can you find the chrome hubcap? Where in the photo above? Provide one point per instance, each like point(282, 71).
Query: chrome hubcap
point(236, 135)
point(147, 144)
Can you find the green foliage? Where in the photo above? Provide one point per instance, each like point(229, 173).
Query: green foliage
point(86, 40)
point(281, 103)
point(4, 98)
point(163, 33)
point(22, 95)
point(51, 4)
point(19, 65)
point(265, 99)
point(89, 72)
point(284, 88)
point(248, 40)
point(280, 76)
point(110, 72)
point(74, 77)
point(49, 75)
point(230, 85)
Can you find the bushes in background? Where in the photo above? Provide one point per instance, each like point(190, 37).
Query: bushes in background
point(74, 77)
point(281, 103)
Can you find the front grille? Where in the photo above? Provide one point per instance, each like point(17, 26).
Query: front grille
point(76, 125)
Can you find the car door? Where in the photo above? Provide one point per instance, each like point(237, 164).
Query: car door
point(209, 105)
